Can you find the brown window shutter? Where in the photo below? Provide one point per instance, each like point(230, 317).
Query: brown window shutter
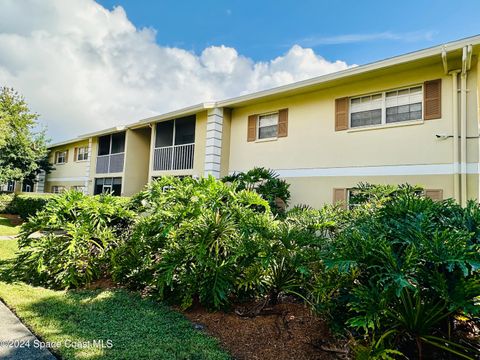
point(434, 194)
point(282, 123)
point(432, 99)
point(66, 156)
point(341, 114)
point(252, 128)
point(55, 156)
point(75, 152)
point(340, 196)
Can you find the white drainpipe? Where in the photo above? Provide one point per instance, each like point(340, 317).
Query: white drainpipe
point(466, 60)
point(456, 170)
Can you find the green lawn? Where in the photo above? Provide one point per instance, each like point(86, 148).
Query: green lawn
point(138, 328)
point(6, 227)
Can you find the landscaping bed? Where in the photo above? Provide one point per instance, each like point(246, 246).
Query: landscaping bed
point(283, 331)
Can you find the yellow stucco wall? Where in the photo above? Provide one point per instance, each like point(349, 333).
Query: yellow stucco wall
point(313, 143)
point(136, 161)
point(72, 173)
point(317, 191)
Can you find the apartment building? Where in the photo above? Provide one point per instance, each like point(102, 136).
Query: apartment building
point(411, 118)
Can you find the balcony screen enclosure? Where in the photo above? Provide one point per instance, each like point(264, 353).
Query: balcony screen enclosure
point(175, 144)
point(111, 153)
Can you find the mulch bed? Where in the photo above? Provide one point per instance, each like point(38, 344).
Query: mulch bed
point(14, 219)
point(283, 331)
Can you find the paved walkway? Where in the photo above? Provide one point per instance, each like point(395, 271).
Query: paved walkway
point(5, 237)
point(16, 341)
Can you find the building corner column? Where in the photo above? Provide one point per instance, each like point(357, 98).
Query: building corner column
point(213, 147)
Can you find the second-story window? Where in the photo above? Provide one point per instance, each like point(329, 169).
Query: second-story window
point(268, 126)
point(387, 107)
point(111, 144)
point(60, 157)
point(82, 154)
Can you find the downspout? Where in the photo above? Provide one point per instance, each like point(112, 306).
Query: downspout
point(456, 170)
point(466, 60)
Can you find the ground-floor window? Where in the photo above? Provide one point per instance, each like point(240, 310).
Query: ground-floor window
point(80, 188)
point(27, 186)
point(11, 186)
point(111, 185)
point(57, 189)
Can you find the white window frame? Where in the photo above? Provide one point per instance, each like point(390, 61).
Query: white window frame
point(384, 108)
point(57, 157)
point(258, 126)
point(84, 154)
point(57, 189)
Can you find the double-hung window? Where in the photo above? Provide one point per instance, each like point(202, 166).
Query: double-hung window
point(404, 104)
point(82, 153)
point(60, 157)
point(387, 107)
point(58, 189)
point(268, 126)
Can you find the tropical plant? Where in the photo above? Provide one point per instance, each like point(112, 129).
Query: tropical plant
point(67, 244)
point(403, 245)
point(266, 183)
point(194, 242)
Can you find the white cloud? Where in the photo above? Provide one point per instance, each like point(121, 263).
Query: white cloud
point(84, 68)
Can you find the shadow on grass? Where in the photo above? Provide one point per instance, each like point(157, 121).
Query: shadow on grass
point(136, 328)
point(85, 322)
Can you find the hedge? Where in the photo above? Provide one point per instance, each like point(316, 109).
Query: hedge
point(5, 201)
point(26, 205)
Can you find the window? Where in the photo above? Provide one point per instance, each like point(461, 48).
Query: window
point(58, 189)
point(60, 157)
point(111, 144)
point(82, 153)
point(268, 126)
point(80, 188)
point(111, 185)
point(387, 107)
point(404, 105)
point(27, 185)
point(11, 186)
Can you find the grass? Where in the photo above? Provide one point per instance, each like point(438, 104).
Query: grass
point(138, 328)
point(6, 227)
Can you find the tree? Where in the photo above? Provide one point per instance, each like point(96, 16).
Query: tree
point(23, 150)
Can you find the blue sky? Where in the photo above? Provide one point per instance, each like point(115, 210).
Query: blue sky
point(354, 31)
point(85, 65)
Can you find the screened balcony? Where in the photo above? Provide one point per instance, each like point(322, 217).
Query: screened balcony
point(174, 144)
point(111, 153)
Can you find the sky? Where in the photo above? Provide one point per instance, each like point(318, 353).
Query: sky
point(84, 65)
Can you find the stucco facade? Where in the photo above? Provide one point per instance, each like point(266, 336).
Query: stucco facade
point(310, 151)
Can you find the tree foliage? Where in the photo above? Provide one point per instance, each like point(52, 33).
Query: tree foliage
point(23, 150)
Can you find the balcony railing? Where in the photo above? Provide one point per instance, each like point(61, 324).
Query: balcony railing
point(177, 157)
point(110, 163)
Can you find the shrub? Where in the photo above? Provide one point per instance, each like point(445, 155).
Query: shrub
point(27, 205)
point(194, 241)
point(68, 243)
point(266, 183)
point(5, 201)
point(293, 257)
point(406, 268)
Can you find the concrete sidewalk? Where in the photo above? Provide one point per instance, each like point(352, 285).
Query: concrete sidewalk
point(8, 237)
point(16, 341)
